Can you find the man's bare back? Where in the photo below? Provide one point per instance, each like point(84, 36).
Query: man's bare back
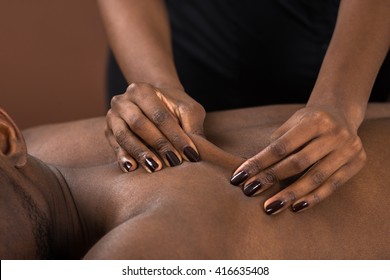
point(191, 211)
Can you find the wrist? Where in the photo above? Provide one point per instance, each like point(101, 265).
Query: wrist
point(160, 83)
point(168, 85)
point(160, 77)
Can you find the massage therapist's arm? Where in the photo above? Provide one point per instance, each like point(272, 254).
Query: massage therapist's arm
point(154, 111)
point(321, 139)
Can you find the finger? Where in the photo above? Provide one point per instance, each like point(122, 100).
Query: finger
point(339, 178)
point(141, 126)
point(311, 180)
point(172, 107)
point(162, 118)
point(190, 115)
point(290, 166)
point(133, 146)
point(125, 161)
point(274, 152)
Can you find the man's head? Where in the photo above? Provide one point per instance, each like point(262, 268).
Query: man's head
point(24, 225)
point(37, 212)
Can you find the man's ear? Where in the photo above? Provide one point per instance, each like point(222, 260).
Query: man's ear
point(12, 143)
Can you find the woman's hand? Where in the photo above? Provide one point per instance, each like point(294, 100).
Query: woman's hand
point(147, 121)
point(316, 140)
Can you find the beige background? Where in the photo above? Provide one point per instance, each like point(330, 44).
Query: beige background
point(52, 59)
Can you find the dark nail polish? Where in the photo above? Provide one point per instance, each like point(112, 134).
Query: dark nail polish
point(239, 178)
point(252, 188)
point(151, 164)
point(299, 206)
point(274, 206)
point(191, 154)
point(172, 158)
point(127, 165)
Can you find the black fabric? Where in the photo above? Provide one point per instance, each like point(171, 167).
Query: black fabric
point(232, 54)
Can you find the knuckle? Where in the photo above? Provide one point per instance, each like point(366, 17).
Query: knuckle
point(178, 141)
point(253, 166)
point(199, 109)
point(120, 136)
point(117, 149)
point(300, 162)
point(193, 107)
point(270, 177)
point(109, 113)
point(319, 116)
point(362, 156)
point(138, 153)
point(316, 198)
point(324, 119)
point(185, 108)
point(335, 184)
point(159, 117)
point(123, 141)
point(137, 89)
point(110, 116)
point(137, 122)
point(356, 145)
point(161, 144)
point(175, 138)
point(279, 148)
point(318, 177)
point(116, 100)
point(343, 133)
point(291, 195)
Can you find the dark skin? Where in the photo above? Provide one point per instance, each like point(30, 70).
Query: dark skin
point(90, 209)
point(156, 114)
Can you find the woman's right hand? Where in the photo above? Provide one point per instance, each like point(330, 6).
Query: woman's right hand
point(147, 121)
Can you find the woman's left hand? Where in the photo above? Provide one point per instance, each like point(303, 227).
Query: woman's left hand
point(316, 140)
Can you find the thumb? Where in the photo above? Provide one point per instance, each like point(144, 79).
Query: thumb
point(190, 113)
point(192, 120)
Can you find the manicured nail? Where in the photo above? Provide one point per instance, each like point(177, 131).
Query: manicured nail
point(251, 188)
point(191, 154)
point(127, 165)
point(239, 178)
point(274, 206)
point(151, 164)
point(172, 158)
point(299, 206)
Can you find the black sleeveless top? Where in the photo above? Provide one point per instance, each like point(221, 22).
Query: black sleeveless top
point(241, 53)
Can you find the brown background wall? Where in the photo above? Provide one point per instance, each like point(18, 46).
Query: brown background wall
point(52, 55)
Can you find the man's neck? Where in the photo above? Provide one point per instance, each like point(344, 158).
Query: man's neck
point(51, 192)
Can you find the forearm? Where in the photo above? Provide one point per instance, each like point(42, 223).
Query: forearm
point(139, 35)
point(358, 47)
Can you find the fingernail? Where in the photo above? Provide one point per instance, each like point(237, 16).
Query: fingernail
point(127, 165)
point(252, 188)
point(172, 158)
point(299, 206)
point(191, 154)
point(151, 164)
point(239, 178)
point(274, 206)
